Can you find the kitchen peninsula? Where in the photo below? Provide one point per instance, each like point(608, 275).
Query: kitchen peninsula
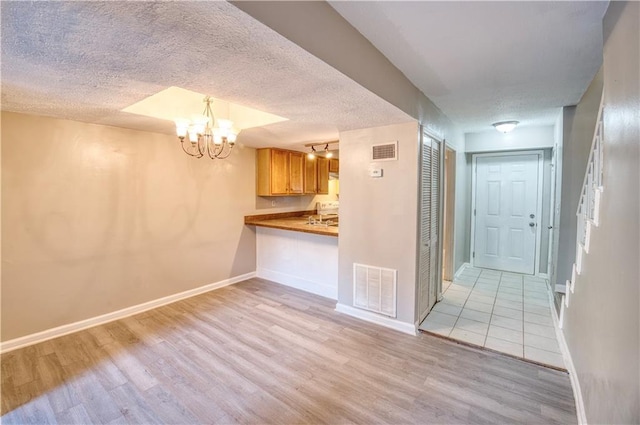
point(292, 252)
point(297, 221)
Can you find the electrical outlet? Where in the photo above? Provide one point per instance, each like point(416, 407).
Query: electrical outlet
point(274, 203)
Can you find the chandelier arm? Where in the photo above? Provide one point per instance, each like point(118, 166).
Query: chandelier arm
point(211, 152)
point(198, 155)
point(228, 152)
point(202, 145)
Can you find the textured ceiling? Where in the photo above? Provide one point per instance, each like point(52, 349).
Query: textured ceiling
point(87, 61)
point(482, 62)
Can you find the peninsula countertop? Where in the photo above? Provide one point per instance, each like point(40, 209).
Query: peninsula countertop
point(296, 221)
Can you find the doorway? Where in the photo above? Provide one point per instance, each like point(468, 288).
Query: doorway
point(448, 213)
point(507, 207)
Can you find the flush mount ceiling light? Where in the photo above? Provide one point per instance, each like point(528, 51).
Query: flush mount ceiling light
point(204, 136)
point(327, 153)
point(505, 126)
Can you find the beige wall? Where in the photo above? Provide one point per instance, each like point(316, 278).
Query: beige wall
point(602, 323)
point(379, 225)
point(96, 219)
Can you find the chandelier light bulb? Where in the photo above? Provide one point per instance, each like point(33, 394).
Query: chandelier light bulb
point(193, 134)
point(182, 127)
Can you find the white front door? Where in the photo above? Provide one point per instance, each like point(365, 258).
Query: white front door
point(506, 212)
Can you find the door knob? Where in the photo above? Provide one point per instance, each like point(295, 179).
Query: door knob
point(532, 224)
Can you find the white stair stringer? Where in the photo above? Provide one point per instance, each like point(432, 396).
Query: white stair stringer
point(588, 209)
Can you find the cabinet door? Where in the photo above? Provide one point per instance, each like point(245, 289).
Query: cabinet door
point(296, 172)
point(310, 175)
point(334, 165)
point(279, 172)
point(323, 176)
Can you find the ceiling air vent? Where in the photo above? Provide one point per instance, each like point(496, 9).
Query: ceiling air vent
point(385, 152)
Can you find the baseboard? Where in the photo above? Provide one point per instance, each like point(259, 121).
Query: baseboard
point(377, 319)
point(460, 270)
point(298, 283)
point(14, 344)
point(573, 375)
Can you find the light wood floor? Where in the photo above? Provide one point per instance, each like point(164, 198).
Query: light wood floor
point(258, 352)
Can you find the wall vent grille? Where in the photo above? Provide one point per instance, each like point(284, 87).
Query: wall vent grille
point(385, 152)
point(374, 289)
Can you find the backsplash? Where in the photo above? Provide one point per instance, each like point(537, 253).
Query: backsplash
point(295, 203)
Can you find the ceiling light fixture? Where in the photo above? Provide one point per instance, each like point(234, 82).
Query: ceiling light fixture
point(327, 154)
point(505, 126)
point(312, 154)
point(204, 136)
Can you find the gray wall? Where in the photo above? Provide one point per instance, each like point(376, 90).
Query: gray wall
point(521, 138)
point(602, 324)
point(462, 211)
point(378, 228)
point(578, 125)
point(319, 29)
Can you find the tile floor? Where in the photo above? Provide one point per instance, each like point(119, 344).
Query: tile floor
point(506, 312)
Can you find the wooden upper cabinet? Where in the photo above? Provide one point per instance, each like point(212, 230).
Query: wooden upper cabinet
point(296, 173)
point(279, 172)
point(323, 175)
point(334, 165)
point(310, 175)
point(279, 168)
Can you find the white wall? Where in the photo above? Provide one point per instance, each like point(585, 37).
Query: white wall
point(378, 224)
point(519, 139)
point(301, 260)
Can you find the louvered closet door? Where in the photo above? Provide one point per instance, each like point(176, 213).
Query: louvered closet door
point(429, 225)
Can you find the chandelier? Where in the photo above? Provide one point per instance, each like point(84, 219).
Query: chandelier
point(204, 137)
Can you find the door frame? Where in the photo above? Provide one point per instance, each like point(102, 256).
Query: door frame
point(552, 208)
point(475, 156)
point(449, 217)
